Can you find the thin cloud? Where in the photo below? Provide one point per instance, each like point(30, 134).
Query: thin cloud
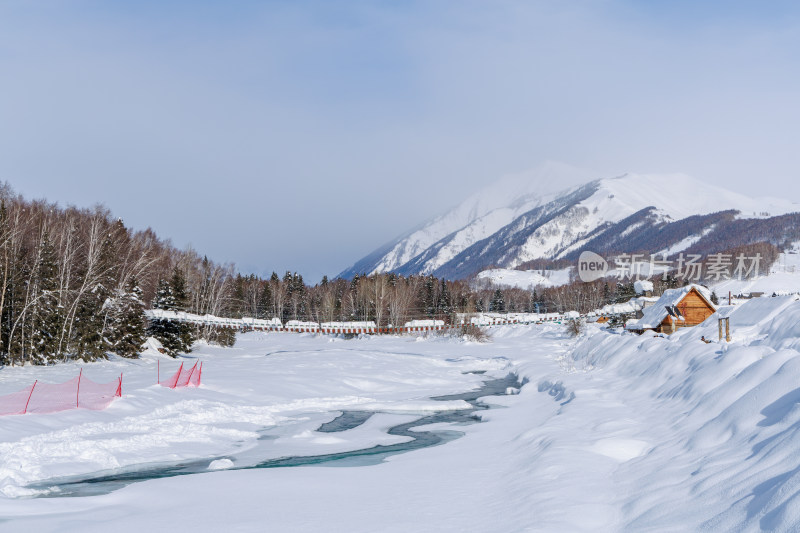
point(302, 136)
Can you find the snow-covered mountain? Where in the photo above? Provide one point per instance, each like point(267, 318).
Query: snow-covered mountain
point(511, 223)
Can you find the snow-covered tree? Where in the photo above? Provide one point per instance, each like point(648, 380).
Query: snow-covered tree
point(171, 295)
point(164, 298)
point(498, 304)
point(46, 315)
point(624, 292)
point(126, 326)
point(444, 304)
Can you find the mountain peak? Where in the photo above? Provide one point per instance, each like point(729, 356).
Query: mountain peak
point(521, 218)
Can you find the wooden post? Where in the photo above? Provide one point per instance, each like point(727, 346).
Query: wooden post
point(720, 329)
point(728, 329)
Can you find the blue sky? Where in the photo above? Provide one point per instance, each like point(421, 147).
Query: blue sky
point(302, 135)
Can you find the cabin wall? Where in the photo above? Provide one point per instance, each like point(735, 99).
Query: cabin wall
point(694, 310)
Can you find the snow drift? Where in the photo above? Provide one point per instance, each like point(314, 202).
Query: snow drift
point(612, 432)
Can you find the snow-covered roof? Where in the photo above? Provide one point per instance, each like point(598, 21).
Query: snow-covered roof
point(655, 314)
point(631, 306)
point(641, 286)
point(301, 324)
point(424, 323)
point(350, 325)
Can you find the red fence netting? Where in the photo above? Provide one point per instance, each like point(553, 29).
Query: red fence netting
point(79, 392)
point(184, 377)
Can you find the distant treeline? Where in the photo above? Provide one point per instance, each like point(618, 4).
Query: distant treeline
point(74, 284)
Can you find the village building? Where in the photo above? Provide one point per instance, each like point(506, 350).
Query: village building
point(676, 308)
point(643, 287)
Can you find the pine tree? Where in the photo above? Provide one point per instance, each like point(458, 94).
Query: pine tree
point(239, 294)
point(339, 300)
point(286, 312)
point(428, 297)
point(624, 292)
point(164, 299)
point(444, 304)
point(300, 302)
point(87, 343)
point(222, 336)
point(126, 325)
point(46, 315)
point(186, 331)
point(498, 304)
point(166, 331)
point(88, 340)
point(176, 337)
point(671, 282)
point(14, 341)
point(178, 286)
point(6, 284)
point(264, 306)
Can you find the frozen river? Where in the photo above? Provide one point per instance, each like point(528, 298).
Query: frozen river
point(291, 433)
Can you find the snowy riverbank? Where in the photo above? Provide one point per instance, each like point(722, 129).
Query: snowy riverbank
point(613, 432)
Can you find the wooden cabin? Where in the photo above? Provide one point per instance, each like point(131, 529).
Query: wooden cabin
point(677, 308)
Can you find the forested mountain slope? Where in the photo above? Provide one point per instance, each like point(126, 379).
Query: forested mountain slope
point(630, 213)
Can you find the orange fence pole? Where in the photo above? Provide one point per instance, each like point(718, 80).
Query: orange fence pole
point(189, 379)
point(78, 393)
point(179, 376)
point(29, 397)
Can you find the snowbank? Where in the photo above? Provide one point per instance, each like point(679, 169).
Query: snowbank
point(612, 432)
point(783, 278)
point(728, 455)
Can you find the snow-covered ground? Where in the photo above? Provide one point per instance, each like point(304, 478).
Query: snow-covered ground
point(783, 278)
point(612, 432)
point(526, 279)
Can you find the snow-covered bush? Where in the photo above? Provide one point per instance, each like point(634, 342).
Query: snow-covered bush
point(473, 333)
point(576, 327)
